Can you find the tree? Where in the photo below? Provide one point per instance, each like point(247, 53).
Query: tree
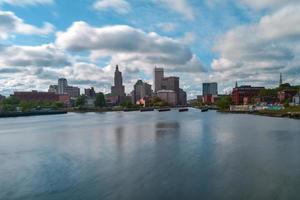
point(10, 104)
point(268, 93)
point(81, 100)
point(224, 102)
point(100, 100)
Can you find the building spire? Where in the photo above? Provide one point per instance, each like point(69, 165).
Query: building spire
point(236, 84)
point(280, 80)
point(117, 68)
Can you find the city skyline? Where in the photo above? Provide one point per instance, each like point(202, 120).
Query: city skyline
point(40, 42)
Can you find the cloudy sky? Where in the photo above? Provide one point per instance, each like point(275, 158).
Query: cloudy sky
point(249, 41)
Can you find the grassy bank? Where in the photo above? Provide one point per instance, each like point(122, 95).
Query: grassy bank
point(289, 112)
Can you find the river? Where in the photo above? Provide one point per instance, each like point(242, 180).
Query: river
point(149, 156)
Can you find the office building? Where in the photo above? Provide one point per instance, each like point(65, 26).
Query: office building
point(168, 83)
point(73, 92)
point(171, 83)
point(63, 88)
point(141, 90)
point(168, 96)
point(118, 89)
point(158, 77)
point(210, 89)
point(182, 97)
point(90, 92)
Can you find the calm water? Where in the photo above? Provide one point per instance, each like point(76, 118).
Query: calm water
point(141, 156)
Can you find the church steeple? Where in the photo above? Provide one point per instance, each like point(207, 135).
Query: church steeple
point(236, 84)
point(280, 80)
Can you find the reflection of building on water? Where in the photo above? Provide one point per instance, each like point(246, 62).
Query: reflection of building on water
point(119, 137)
point(167, 128)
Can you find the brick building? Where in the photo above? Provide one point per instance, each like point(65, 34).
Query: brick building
point(243, 95)
point(36, 96)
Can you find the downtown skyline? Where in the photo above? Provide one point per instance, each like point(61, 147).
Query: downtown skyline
point(211, 41)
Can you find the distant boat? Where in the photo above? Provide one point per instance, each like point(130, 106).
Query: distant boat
point(146, 109)
point(183, 110)
point(204, 109)
point(164, 110)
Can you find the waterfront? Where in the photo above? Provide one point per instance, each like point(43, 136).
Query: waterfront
point(133, 156)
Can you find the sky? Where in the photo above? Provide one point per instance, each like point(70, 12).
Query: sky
point(224, 41)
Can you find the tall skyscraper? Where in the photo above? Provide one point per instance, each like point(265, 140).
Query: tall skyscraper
point(158, 77)
point(118, 89)
point(62, 86)
point(210, 89)
point(280, 80)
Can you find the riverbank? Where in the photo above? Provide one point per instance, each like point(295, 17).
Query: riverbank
point(32, 113)
point(120, 109)
point(279, 114)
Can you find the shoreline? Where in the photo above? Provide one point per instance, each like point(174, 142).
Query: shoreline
point(33, 113)
point(288, 115)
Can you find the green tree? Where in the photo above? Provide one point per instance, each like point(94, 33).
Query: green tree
point(100, 100)
point(224, 102)
point(57, 105)
point(268, 93)
point(81, 100)
point(9, 104)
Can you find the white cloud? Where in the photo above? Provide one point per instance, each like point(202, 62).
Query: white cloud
point(269, 4)
point(180, 6)
point(26, 2)
point(11, 24)
point(257, 53)
point(34, 56)
point(189, 38)
point(167, 27)
point(128, 46)
point(120, 6)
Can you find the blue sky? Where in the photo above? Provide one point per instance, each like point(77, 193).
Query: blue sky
point(211, 40)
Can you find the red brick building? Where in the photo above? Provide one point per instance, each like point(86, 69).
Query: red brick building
point(65, 99)
point(36, 96)
point(244, 94)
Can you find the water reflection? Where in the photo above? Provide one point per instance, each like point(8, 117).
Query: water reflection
point(149, 156)
point(119, 132)
point(163, 128)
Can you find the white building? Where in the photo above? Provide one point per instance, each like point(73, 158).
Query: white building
point(296, 99)
point(63, 88)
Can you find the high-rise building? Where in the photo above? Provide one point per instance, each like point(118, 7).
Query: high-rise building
point(168, 84)
point(210, 89)
point(171, 83)
point(73, 92)
point(118, 89)
point(62, 86)
point(141, 90)
point(280, 80)
point(182, 97)
point(158, 77)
